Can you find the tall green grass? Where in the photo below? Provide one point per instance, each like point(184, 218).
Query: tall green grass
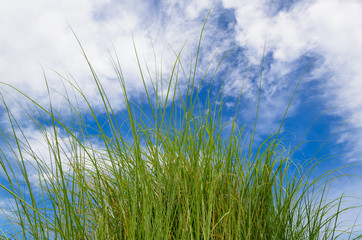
point(165, 170)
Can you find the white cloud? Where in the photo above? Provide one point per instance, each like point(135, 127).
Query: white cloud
point(327, 29)
point(37, 32)
point(330, 30)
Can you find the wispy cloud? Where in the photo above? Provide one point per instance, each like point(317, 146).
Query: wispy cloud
point(38, 32)
point(328, 30)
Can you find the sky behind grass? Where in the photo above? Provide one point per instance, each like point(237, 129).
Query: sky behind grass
point(37, 33)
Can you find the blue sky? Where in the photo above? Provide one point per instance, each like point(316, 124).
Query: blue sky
point(36, 34)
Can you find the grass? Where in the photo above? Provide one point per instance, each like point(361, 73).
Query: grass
point(172, 175)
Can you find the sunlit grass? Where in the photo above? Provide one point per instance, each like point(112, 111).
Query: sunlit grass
point(172, 175)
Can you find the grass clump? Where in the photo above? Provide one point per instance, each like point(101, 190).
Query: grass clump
point(173, 175)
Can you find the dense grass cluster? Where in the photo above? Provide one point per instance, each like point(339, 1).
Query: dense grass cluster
point(172, 175)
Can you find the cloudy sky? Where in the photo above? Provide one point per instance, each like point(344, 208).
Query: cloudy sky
point(38, 34)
